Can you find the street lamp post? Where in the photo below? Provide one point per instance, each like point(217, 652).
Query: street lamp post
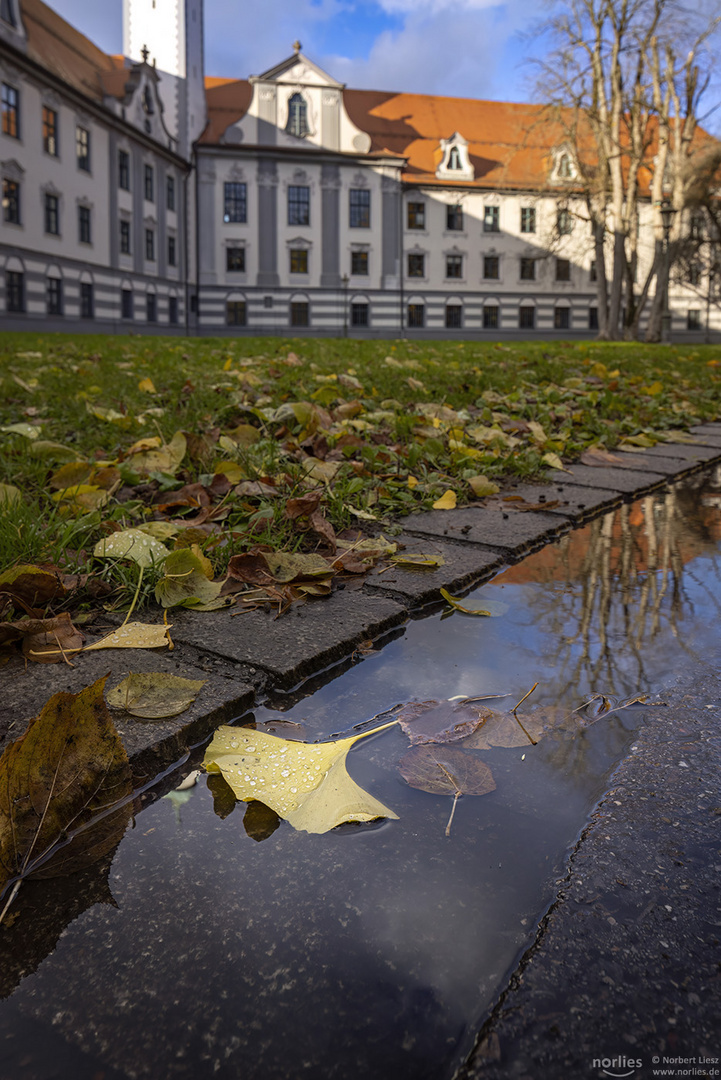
point(667, 213)
point(344, 281)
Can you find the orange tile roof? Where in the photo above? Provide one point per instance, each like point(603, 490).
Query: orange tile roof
point(68, 54)
point(228, 100)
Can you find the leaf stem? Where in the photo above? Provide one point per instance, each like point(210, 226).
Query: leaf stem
point(135, 598)
point(456, 797)
point(531, 740)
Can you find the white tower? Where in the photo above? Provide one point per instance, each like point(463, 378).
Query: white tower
point(172, 33)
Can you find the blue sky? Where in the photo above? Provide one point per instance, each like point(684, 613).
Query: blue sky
point(465, 48)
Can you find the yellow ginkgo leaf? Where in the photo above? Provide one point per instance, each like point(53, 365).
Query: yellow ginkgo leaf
point(307, 784)
point(147, 385)
point(447, 501)
point(135, 635)
point(458, 606)
point(554, 461)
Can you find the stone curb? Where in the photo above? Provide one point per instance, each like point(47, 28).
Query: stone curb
point(250, 653)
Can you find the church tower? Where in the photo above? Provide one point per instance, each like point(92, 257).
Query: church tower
point(170, 34)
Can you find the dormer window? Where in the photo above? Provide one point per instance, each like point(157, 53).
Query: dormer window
point(564, 166)
point(148, 106)
point(6, 12)
point(455, 163)
point(298, 117)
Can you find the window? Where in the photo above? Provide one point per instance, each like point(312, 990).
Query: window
point(151, 307)
point(148, 184)
point(150, 245)
point(491, 219)
point(454, 218)
point(298, 261)
point(561, 318)
point(526, 318)
point(170, 193)
point(148, 104)
point(416, 265)
point(565, 167)
point(490, 317)
point(299, 315)
point(416, 315)
point(11, 202)
point(126, 304)
point(234, 202)
point(359, 314)
point(235, 259)
point(593, 272)
point(82, 148)
point(528, 219)
point(124, 237)
point(564, 223)
point(267, 301)
point(416, 215)
point(10, 111)
point(693, 319)
point(491, 267)
point(694, 274)
point(593, 318)
point(298, 205)
point(696, 227)
point(14, 290)
point(171, 251)
point(297, 117)
point(55, 296)
point(86, 301)
point(360, 209)
point(563, 269)
point(528, 269)
point(359, 262)
point(50, 131)
point(454, 266)
point(6, 13)
point(454, 316)
point(235, 313)
point(454, 159)
point(124, 170)
point(84, 232)
point(172, 309)
point(52, 215)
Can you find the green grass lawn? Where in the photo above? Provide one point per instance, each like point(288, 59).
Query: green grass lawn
point(381, 428)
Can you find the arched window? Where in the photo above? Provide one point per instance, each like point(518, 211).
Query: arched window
point(565, 168)
point(148, 106)
point(454, 159)
point(297, 116)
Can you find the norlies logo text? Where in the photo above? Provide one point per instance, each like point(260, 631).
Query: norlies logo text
point(617, 1064)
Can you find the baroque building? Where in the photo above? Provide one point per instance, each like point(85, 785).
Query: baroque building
point(139, 195)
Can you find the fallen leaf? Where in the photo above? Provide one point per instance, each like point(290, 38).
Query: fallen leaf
point(33, 586)
point(29, 431)
point(307, 784)
point(135, 635)
point(502, 729)
point(9, 496)
point(443, 770)
point(154, 694)
point(411, 561)
point(45, 641)
point(185, 583)
point(149, 455)
point(554, 461)
point(481, 486)
point(59, 782)
point(596, 456)
point(447, 501)
point(458, 606)
point(440, 721)
point(287, 566)
point(147, 385)
point(133, 544)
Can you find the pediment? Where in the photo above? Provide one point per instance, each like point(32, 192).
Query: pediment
point(298, 69)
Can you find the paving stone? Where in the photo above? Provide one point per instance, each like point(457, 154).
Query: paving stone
point(706, 429)
point(463, 565)
point(711, 438)
point(670, 465)
point(517, 533)
point(151, 745)
point(698, 455)
point(627, 481)
point(579, 503)
point(303, 641)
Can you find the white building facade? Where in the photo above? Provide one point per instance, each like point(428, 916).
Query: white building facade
point(137, 195)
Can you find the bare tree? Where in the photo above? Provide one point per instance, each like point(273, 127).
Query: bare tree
point(628, 108)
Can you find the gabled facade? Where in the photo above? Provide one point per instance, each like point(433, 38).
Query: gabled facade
point(137, 194)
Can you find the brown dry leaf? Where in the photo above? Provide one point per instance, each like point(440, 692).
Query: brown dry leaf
point(46, 641)
point(55, 782)
point(504, 730)
point(247, 569)
point(303, 505)
point(135, 635)
point(444, 770)
point(33, 586)
point(595, 456)
point(440, 721)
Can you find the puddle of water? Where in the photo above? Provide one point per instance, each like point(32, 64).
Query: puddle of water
point(371, 950)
